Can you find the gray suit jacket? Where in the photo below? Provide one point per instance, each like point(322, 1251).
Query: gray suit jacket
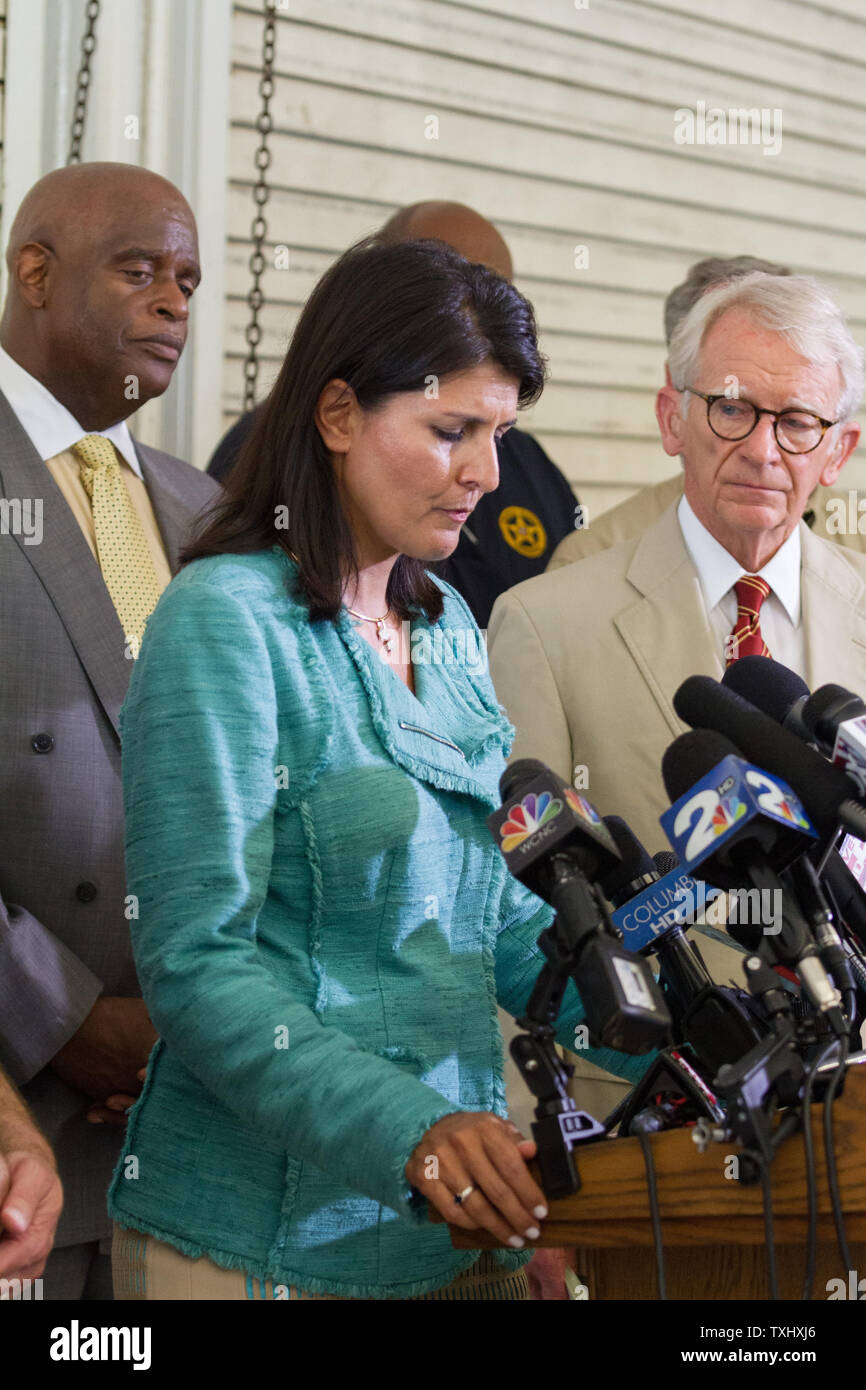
point(64, 938)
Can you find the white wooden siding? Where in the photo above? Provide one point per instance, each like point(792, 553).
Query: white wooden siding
point(557, 123)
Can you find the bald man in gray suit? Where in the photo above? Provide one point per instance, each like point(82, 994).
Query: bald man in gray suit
point(103, 261)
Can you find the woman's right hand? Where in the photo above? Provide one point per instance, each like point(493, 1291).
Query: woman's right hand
point(480, 1150)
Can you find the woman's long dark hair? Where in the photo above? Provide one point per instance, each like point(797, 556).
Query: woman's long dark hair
point(384, 319)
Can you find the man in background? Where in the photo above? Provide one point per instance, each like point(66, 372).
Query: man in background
point(515, 529)
point(103, 262)
point(587, 658)
point(637, 512)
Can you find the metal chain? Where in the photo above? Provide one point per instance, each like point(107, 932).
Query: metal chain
point(261, 193)
point(88, 44)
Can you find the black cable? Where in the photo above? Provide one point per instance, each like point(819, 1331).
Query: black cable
point(652, 1189)
point(613, 1119)
point(767, 1193)
point(811, 1182)
point(830, 1156)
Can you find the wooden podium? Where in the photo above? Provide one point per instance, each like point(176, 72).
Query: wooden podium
point(712, 1225)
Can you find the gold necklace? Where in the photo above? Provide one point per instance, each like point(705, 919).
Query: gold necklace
point(381, 632)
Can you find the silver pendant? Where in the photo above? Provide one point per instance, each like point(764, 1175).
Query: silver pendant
point(383, 635)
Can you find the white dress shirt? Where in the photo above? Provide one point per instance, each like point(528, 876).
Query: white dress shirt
point(718, 572)
point(54, 432)
point(51, 428)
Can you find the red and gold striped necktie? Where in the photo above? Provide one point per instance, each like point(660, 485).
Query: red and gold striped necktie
point(746, 639)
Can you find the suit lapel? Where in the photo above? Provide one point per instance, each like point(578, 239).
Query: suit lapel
point(834, 621)
point(669, 638)
point(172, 513)
point(666, 629)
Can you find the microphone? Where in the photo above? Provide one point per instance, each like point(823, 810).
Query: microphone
point(837, 719)
point(549, 818)
point(828, 707)
point(849, 905)
point(826, 792)
point(847, 896)
point(773, 688)
point(665, 860)
point(555, 842)
point(650, 905)
point(831, 717)
point(714, 1020)
point(728, 814)
point(741, 826)
point(635, 870)
point(781, 694)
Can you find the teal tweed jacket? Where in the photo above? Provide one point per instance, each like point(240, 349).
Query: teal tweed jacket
point(324, 927)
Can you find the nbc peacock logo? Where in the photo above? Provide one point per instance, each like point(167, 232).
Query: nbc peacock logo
point(582, 807)
point(791, 809)
point(728, 810)
point(533, 812)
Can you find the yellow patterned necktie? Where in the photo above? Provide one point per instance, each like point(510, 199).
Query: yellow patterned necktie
point(124, 558)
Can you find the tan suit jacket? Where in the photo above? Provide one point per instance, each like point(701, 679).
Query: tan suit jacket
point(636, 513)
point(586, 659)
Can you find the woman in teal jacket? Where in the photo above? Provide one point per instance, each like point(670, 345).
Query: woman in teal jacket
point(311, 745)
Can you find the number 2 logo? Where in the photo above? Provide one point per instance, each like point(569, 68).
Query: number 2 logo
point(701, 806)
point(771, 798)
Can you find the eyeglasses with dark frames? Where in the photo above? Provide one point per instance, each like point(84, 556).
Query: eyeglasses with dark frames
point(733, 419)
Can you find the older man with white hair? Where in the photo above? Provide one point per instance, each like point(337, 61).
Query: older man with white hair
point(586, 658)
point(834, 514)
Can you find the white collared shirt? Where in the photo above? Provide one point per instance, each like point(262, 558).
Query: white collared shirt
point(718, 572)
point(52, 429)
point(54, 432)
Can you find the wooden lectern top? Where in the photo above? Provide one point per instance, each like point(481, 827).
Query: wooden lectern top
point(700, 1200)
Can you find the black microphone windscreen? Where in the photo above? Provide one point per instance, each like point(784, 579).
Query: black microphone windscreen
point(691, 756)
point(635, 859)
point(518, 774)
point(822, 788)
point(766, 684)
point(665, 861)
point(832, 700)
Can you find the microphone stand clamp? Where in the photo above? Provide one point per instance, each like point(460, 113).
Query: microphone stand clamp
point(559, 1126)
